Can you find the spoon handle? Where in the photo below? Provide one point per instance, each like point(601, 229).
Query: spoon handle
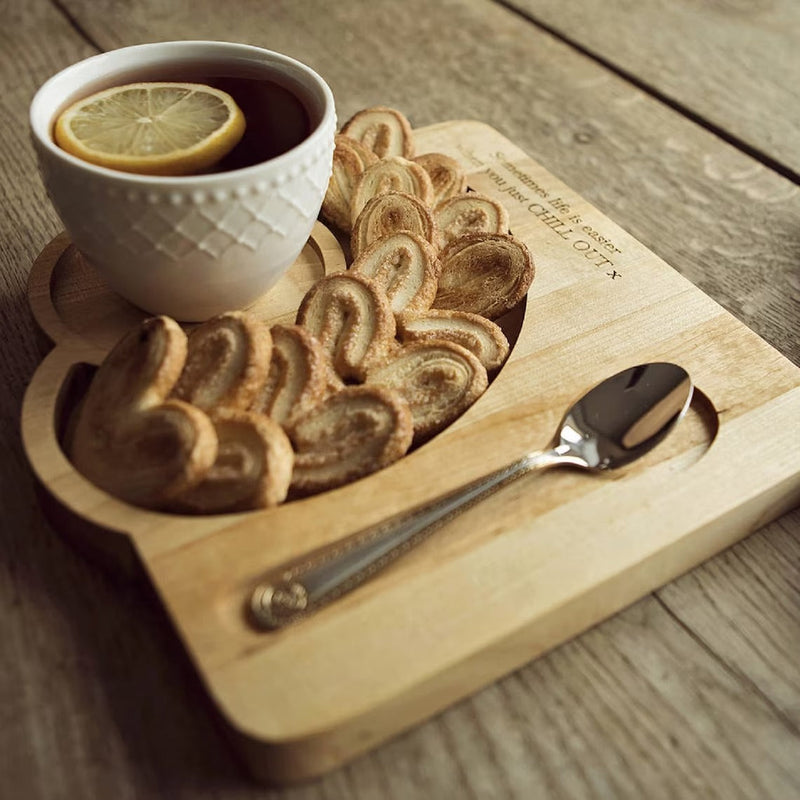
point(303, 586)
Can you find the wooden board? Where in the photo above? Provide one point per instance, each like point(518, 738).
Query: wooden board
point(536, 564)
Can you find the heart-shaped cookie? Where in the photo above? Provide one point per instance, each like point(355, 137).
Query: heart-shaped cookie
point(391, 213)
point(439, 380)
point(354, 432)
point(482, 337)
point(486, 274)
point(253, 467)
point(405, 267)
point(395, 174)
point(469, 213)
point(128, 439)
point(352, 319)
point(350, 159)
point(447, 176)
point(384, 131)
point(299, 377)
point(226, 362)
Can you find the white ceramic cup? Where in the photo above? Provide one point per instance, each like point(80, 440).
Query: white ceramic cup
point(191, 246)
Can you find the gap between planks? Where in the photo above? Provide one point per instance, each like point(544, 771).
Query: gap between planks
point(735, 141)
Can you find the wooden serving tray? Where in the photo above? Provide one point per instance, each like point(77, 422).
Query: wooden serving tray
point(537, 563)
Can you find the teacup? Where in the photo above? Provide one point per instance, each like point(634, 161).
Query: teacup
point(194, 246)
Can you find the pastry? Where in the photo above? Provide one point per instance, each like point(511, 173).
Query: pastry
point(153, 455)
point(486, 274)
point(352, 319)
point(299, 376)
point(350, 159)
point(482, 337)
point(438, 379)
point(405, 267)
point(469, 213)
point(353, 433)
point(391, 213)
point(384, 131)
point(395, 174)
point(226, 362)
point(252, 470)
point(140, 370)
point(446, 174)
point(128, 439)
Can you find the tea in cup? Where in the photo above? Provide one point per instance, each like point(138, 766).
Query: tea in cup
point(192, 246)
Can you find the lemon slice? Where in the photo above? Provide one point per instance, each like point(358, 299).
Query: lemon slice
point(152, 128)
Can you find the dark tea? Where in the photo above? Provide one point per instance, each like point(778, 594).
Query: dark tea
point(276, 118)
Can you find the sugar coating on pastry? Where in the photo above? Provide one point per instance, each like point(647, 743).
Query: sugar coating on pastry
point(438, 379)
point(405, 267)
point(299, 375)
point(486, 274)
point(154, 455)
point(469, 213)
point(385, 131)
point(352, 433)
point(391, 213)
point(129, 440)
point(352, 319)
point(350, 159)
point(447, 176)
point(393, 174)
point(482, 337)
point(226, 363)
point(140, 370)
point(253, 467)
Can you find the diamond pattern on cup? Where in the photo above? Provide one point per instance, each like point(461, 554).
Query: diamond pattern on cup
point(180, 223)
point(252, 236)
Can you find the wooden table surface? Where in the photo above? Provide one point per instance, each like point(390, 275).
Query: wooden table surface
point(679, 121)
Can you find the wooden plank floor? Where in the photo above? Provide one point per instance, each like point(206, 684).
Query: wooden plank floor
point(733, 64)
point(693, 692)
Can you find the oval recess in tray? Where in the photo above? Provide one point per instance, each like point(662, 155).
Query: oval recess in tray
point(73, 304)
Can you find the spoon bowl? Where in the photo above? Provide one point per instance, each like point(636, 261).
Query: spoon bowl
point(626, 415)
point(616, 422)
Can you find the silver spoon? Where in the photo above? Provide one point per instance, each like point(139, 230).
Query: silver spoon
point(616, 422)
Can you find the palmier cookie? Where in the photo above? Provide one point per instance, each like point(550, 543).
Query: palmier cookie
point(384, 131)
point(353, 433)
point(352, 319)
point(469, 213)
point(447, 176)
point(391, 213)
point(299, 377)
point(128, 439)
point(486, 274)
point(482, 337)
point(350, 159)
point(226, 363)
point(395, 174)
point(439, 380)
point(405, 267)
point(252, 470)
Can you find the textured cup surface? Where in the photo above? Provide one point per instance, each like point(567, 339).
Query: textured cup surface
point(191, 246)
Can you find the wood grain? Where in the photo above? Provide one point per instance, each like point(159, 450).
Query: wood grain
point(565, 552)
point(96, 698)
point(755, 630)
point(731, 63)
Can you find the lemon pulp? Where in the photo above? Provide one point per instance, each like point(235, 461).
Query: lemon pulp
point(152, 128)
